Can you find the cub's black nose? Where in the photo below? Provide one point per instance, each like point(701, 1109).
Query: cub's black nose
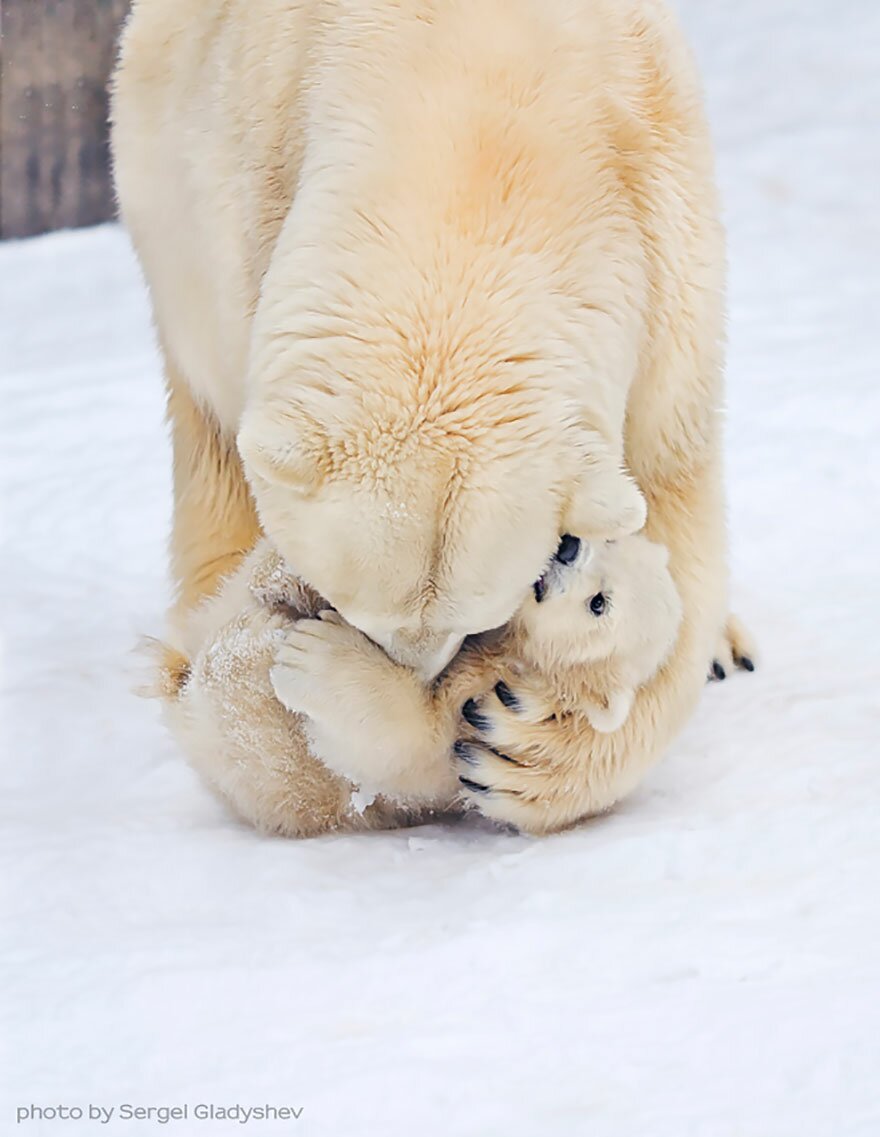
point(569, 547)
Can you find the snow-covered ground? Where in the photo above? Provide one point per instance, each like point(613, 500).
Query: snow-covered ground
point(703, 963)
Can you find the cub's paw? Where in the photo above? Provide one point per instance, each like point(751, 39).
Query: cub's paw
point(502, 712)
point(365, 716)
point(318, 665)
point(735, 650)
point(506, 761)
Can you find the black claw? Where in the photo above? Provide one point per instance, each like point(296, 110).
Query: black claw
point(471, 713)
point(506, 696)
point(462, 749)
point(474, 787)
point(745, 663)
point(717, 670)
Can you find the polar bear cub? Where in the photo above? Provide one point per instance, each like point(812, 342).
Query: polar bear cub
point(597, 624)
point(611, 606)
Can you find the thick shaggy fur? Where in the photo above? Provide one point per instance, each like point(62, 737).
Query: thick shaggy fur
point(391, 735)
point(390, 748)
point(220, 703)
point(439, 271)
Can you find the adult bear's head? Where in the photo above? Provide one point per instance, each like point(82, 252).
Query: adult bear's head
point(423, 520)
point(425, 419)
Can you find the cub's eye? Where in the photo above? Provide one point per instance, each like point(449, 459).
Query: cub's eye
point(597, 604)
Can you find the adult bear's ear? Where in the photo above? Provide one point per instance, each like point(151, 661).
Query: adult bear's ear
point(606, 502)
point(283, 445)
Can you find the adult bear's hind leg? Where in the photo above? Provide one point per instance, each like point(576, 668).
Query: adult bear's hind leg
point(215, 523)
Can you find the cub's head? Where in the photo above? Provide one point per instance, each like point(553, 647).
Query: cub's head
point(423, 526)
point(601, 601)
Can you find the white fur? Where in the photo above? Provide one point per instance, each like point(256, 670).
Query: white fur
point(449, 273)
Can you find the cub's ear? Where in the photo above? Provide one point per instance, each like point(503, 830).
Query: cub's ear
point(282, 445)
point(606, 503)
point(610, 714)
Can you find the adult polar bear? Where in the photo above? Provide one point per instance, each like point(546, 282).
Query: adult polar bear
point(422, 271)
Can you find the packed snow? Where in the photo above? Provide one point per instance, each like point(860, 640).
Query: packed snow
point(702, 963)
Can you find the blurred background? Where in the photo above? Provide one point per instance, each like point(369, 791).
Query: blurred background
point(57, 56)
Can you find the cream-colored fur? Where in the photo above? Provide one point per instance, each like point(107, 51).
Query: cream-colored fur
point(596, 629)
point(219, 701)
point(445, 271)
point(377, 726)
point(379, 740)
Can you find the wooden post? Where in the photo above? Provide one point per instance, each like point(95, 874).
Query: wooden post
point(55, 60)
